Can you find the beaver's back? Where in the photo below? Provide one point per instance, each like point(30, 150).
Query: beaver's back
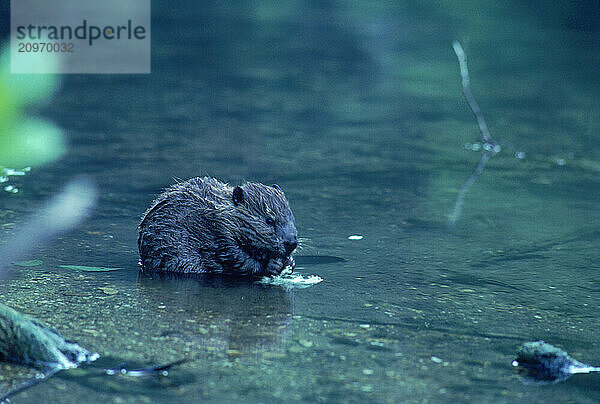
point(180, 218)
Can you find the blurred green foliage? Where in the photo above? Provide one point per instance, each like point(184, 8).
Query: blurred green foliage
point(24, 140)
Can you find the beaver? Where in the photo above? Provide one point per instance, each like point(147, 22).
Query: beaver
point(203, 225)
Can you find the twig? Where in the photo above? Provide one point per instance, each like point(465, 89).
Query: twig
point(466, 87)
point(490, 147)
point(41, 377)
point(467, 184)
point(121, 370)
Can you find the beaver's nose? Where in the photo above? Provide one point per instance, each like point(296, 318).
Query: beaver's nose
point(290, 245)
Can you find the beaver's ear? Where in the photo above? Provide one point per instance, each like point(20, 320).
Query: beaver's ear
point(239, 195)
point(277, 187)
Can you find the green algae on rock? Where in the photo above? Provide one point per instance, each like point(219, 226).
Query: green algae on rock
point(543, 362)
point(28, 341)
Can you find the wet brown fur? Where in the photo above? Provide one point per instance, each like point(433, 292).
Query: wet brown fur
point(205, 226)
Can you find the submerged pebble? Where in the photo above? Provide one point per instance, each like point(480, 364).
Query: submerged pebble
point(305, 343)
point(108, 290)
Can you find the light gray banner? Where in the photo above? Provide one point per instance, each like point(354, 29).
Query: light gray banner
point(75, 36)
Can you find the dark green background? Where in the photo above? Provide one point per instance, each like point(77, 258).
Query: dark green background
point(355, 109)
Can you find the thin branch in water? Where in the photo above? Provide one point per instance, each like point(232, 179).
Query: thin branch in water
point(466, 87)
point(490, 147)
point(466, 185)
point(40, 377)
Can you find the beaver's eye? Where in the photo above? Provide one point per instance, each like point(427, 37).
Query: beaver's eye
point(270, 221)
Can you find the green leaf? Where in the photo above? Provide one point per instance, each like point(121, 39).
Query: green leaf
point(26, 89)
point(25, 141)
point(88, 269)
point(30, 142)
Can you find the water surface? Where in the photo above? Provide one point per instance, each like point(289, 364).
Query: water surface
point(356, 112)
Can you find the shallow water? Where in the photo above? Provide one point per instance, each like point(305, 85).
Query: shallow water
point(357, 113)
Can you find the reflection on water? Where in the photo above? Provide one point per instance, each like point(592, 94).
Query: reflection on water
point(356, 110)
point(235, 314)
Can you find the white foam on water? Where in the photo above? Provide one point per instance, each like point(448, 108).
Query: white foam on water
point(291, 280)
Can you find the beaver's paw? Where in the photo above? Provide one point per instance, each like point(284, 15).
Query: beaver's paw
point(289, 264)
point(273, 267)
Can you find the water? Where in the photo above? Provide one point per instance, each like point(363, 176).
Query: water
point(356, 112)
